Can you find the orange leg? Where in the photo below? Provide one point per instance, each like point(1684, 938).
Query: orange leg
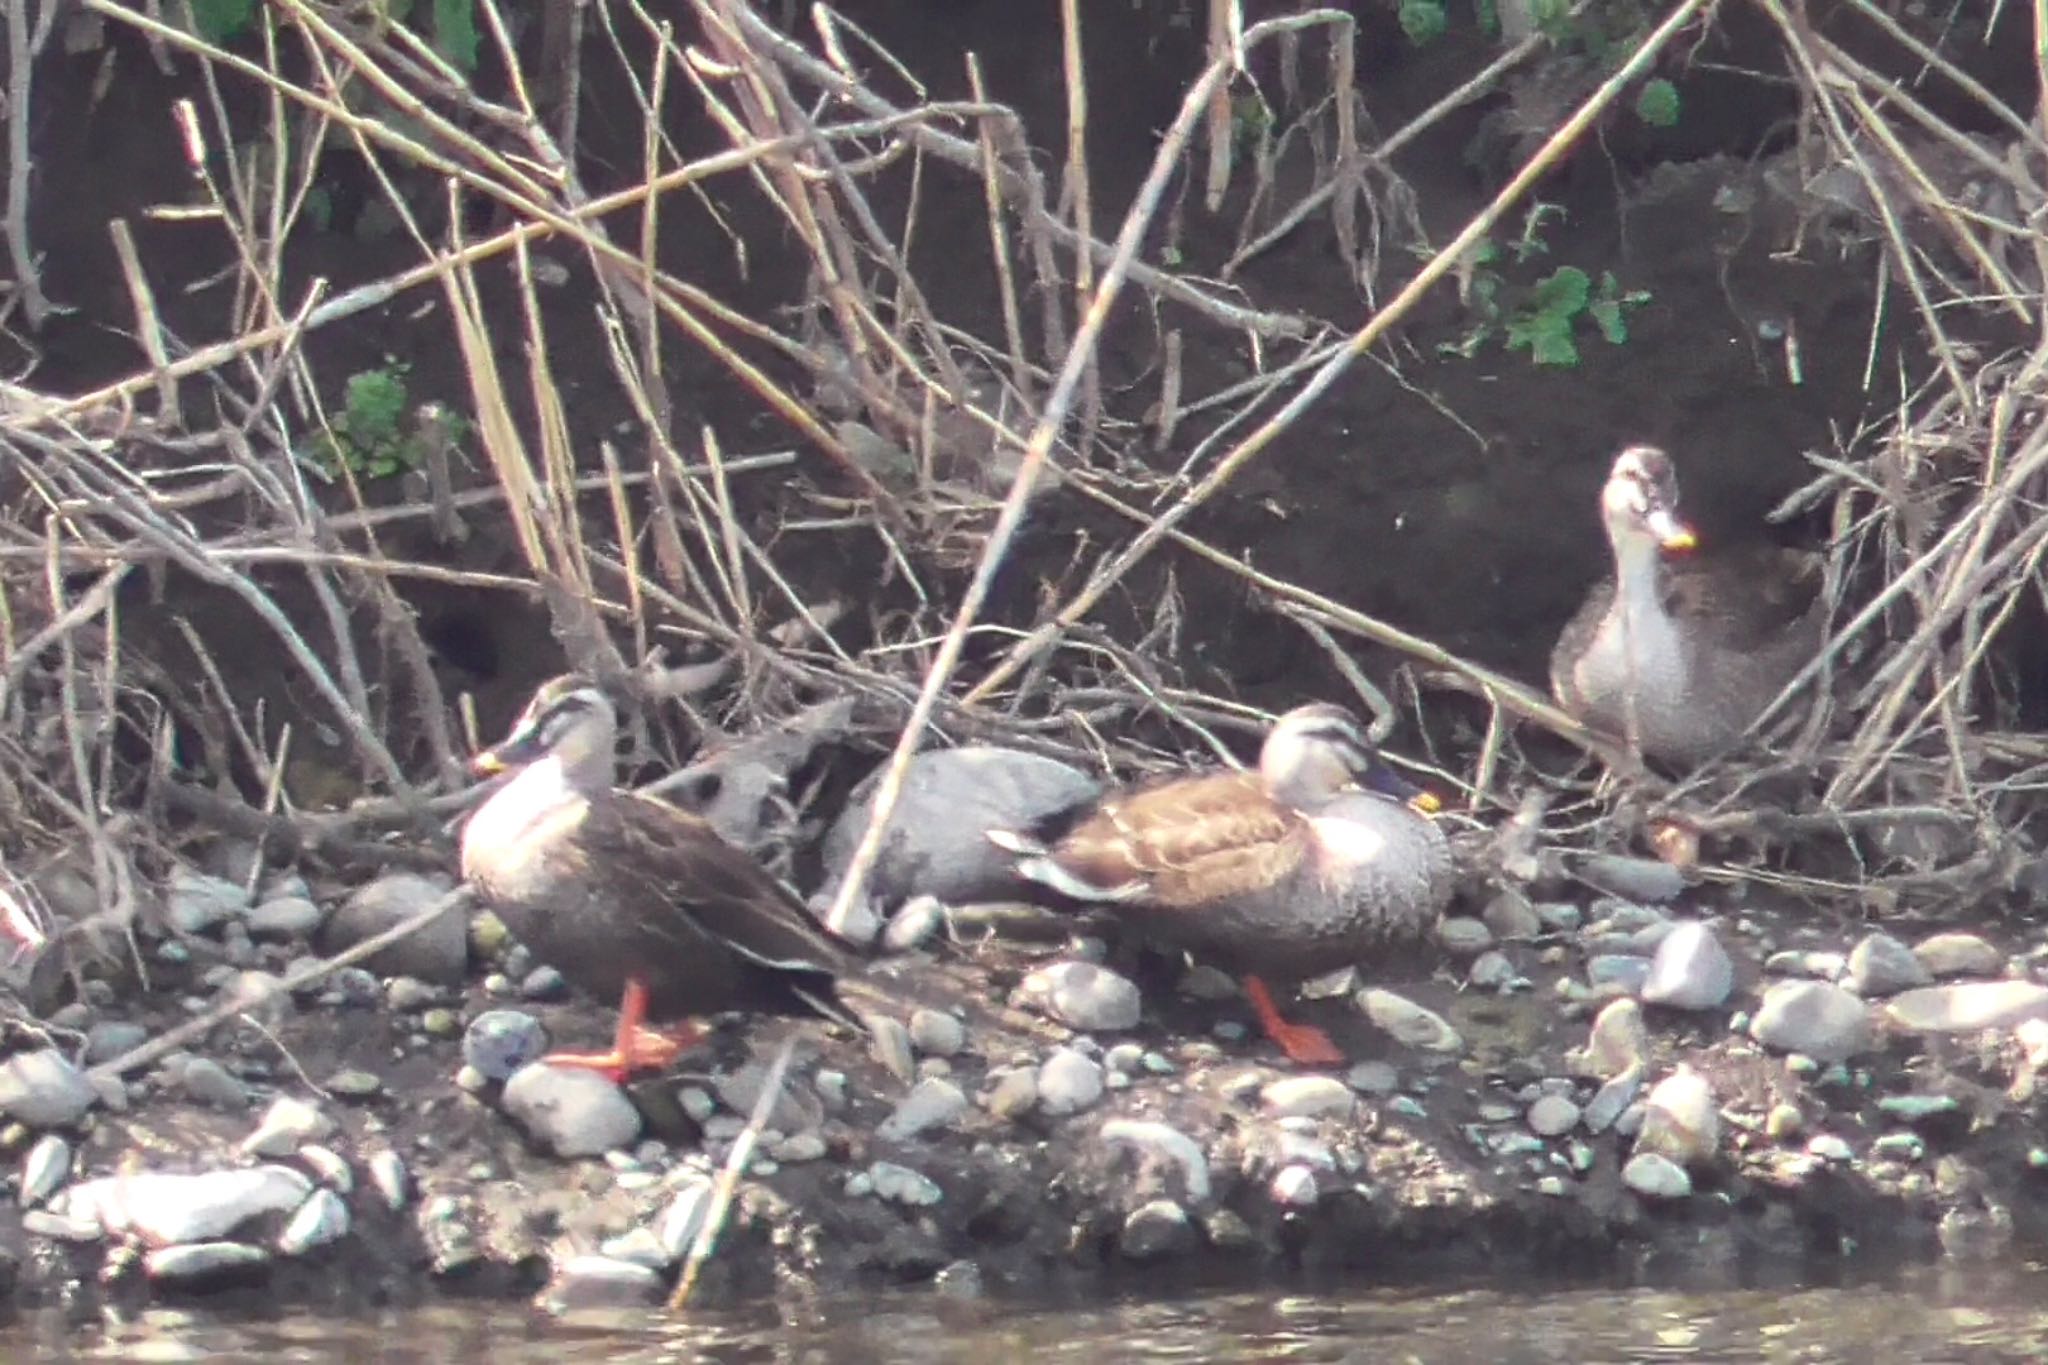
point(635, 1047)
point(1302, 1043)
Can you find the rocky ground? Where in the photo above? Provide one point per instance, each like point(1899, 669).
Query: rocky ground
point(1571, 1079)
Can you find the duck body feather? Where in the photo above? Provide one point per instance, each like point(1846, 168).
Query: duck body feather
point(1698, 655)
point(1215, 866)
point(608, 885)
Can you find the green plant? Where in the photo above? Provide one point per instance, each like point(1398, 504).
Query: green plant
point(368, 437)
point(221, 21)
point(1657, 103)
point(1544, 318)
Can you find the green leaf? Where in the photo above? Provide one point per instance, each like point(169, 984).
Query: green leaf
point(1487, 13)
point(319, 208)
point(219, 21)
point(1657, 103)
point(455, 34)
point(1423, 20)
point(1554, 347)
point(1562, 293)
point(1607, 316)
point(374, 406)
point(1552, 18)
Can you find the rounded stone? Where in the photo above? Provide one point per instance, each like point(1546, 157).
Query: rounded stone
point(437, 952)
point(1553, 1116)
point(500, 1042)
point(1690, 970)
point(1084, 995)
point(1068, 1082)
point(1814, 1018)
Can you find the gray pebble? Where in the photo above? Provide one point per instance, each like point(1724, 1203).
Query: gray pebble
point(1203, 982)
point(917, 920)
point(1068, 1082)
point(640, 1246)
point(1308, 1096)
point(571, 1112)
point(1408, 1022)
point(684, 1217)
point(1169, 1143)
point(1124, 1059)
point(285, 917)
point(194, 901)
point(1155, 1229)
point(1012, 1093)
point(1969, 1006)
point(1820, 1020)
point(286, 1126)
point(1510, 917)
point(831, 1089)
point(1083, 995)
point(355, 987)
point(1373, 1078)
point(936, 1033)
point(1493, 970)
point(1624, 972)
point(1464, 937)
point(1612, 1099)
point(389, 1177)
point(593, 1281)
point(163, 1207)
point(889, 1044)
point(1553, 1116)
point(110, 1038)
point(45, 1169)
point(1656, 1177)
point(1295, 1188)
point(502, 1040)
point(322, 1219)
point(798, 1148)
point(543, 983)
point(1958, 954)
point(195, 1264)
point(205, 1081)
point(1681, 1120)
point(1619, 1040)
point(930, 1104)
point(794, 1110)
point(1691, 970)
point(438, 952)
point(406, 994)
point(1881, 965)
point(901, 1185)
point(354, 1083)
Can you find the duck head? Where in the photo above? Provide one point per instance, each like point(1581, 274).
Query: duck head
point(569, 719)
point(1640, 502)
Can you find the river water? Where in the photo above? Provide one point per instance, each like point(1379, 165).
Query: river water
point(1972, 1314)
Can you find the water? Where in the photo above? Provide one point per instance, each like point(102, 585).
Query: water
point(1963, 1314)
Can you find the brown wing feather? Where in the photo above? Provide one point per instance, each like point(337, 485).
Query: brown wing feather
point(698, 886)
point(1186, 842)
point(1744, 597)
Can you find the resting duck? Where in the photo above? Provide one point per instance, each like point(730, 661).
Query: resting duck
point(935, 843)
point(1681, 655)
point(628, 896)
point(1285, 873)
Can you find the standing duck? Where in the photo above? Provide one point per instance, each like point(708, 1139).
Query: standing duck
point(1285, 873)
point(1681, 655)
point(628, 896)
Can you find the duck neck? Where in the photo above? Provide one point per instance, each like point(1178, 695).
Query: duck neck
point(1637, 588)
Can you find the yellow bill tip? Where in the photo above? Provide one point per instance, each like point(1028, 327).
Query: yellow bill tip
point(1426, 803)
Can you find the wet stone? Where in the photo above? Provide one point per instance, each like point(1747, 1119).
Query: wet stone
point(543, 983)
point(1656, 1177)
point(1553, 1116)
point(1464, 937)
point(1958, 954)
point(596, 1281)
point(1294, 1187)
point(406, 994)
point(1619, 1040)
point(500, 1042)
point(684, 1217)
point(571, 1112)
point(930, 1105)
point(205, 1081)
point(1068, 1082)
point(353, 1083)
point(1373, 1078)
point(1691, 970)
point(1881, 965)
point(1969, 1006)
point(1623, 972)
point(1510, 917)
point(1813, 1018)
point(1156, 1229)
point(1680, 1120)
point(1168, 1144)
point(936, 1033)
point(889, 1044)
point(195, 901)
point(901, 1185)
point(1012, 1094)
point(43, 1090)
point(1614, 1097)
point(913, 923)
point(285, 918)
point(1308, 1096)
point(1409, 1023)
point(438, 952)
point(164, 1207)
point(206, 1265)
point(287, 1125)
point(44, 1170)
point(322, 1219)
point(1083, 995)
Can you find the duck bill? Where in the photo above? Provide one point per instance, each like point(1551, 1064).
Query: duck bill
point(520, 747)
point(1387, 782)
point(1671, 533)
